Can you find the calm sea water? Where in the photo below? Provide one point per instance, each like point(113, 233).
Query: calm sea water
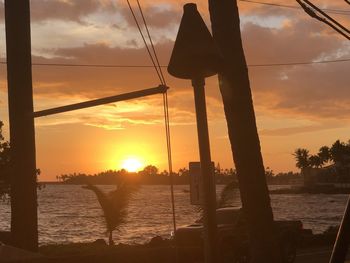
point(68, 213)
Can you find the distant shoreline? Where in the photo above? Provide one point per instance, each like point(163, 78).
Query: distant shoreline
point(293, 190)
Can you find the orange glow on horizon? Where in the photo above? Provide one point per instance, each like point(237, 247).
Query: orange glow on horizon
point(132, 164)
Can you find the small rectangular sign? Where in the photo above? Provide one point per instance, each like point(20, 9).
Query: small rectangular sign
point(196, 183)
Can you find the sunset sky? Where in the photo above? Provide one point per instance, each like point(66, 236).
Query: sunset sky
point(296, 106)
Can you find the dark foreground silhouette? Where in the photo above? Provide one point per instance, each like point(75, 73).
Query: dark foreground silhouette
point(156, 251)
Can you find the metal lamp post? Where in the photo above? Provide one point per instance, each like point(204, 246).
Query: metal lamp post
point(195, 57)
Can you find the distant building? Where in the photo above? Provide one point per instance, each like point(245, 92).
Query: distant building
point(331, 175)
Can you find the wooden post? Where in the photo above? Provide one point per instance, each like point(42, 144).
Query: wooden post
point(206, 172)
point(196, 57)
point(24, 226)
point(342, 242)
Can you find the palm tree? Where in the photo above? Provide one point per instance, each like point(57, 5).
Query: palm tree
point(338, 152)
point(114, 206)
point(242, 129)
point(315, 161)
point(302, 158)
point(324, 154)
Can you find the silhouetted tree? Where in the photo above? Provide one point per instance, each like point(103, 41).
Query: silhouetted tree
point(302, 158)
point(5, 149)
point(183, 172)
point(315, 161)
point(339, 153)
point(217, 169)
point(4, 165)
point(149, 170)
point(269, 173)
point(324, 154)
point(114, 206)
point(242, 130)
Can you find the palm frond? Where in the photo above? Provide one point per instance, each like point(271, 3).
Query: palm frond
point(226, 194)
point(225, 198)
point(114, 204)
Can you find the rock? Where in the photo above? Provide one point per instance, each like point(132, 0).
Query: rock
point(5, 237)
point(12, 254)
point(100, 241)
point(156, 241)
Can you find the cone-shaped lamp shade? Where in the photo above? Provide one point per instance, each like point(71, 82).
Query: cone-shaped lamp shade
point(195, 54)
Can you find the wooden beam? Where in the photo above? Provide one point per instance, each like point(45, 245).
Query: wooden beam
point(102, 101)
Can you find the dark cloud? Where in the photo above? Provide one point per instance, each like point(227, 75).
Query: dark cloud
point(310, 91)
point(78, 10)
point(73, 10)
point(315, 91)
point(92, 82)
point(154, 16)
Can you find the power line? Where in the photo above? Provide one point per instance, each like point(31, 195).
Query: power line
point(300, 63)
point(164, 66)
point(145, 42)
point(320, 15)
point(153, 48)
point(334, 11)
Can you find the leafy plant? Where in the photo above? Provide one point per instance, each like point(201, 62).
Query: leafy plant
point(4, 165)
point(5, 149)
point(224, 199)
point(226, 194)
point(114, 205)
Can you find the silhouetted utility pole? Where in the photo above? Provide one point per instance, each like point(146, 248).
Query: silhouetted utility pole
point(24, 226)
point(195, 57)
point(243, 135)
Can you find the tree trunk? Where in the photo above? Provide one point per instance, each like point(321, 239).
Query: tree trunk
point(243, 135)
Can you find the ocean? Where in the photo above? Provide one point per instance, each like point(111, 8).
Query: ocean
point(69, 213)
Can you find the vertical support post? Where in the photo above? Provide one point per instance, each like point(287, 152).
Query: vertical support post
point(24, 225)
point(342, 242)
point(206, 172)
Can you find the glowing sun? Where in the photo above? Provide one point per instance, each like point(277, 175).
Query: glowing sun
point(132, 165)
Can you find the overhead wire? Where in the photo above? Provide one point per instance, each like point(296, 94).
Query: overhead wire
point(150, 39)
point(159, 71)
point(166, 118)
point(297, 63)
point(320, 15)
point(168, 136)
point(324, 14)
point(144, 41)
point(334, 11)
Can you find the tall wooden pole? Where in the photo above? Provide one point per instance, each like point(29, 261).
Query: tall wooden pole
point(207, 172)
point(342, 242)
point(24, 226)
point(196, 57)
